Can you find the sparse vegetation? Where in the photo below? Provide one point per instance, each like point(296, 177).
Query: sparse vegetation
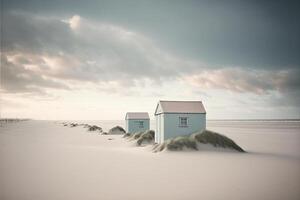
point(86, 125)
point(217, 140)
point(116, 130)
point(89, 127)
point(95, 128)
point(126, 135)
point(146, 137)
point(143, 137)
point(73, 125)
point(194, 140)
point(137, 135)
point(180, 143)
point(191, 142)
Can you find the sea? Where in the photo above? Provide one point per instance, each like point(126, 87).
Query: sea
point(217, 125)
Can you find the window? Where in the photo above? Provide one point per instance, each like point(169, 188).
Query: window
point(141, 124)
point(183, 122)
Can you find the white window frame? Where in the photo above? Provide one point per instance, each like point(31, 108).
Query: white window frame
point(182, 119)
point(141, 124)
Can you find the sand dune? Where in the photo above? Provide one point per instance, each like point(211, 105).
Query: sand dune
point(45, 160)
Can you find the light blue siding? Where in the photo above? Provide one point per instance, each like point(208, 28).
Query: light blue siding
point(168, 125)
point(136, 125)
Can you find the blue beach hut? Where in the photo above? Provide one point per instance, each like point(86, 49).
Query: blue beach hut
point(175, 118)
point(137, 121)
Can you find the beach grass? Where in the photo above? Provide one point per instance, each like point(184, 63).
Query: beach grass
point(195, 140)
point(146, 137)
point(141, 137)
point(94, 128)
point(116, 130)
point(217, 140)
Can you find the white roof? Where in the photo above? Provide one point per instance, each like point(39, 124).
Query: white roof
point(137, 115)
point(179, 107)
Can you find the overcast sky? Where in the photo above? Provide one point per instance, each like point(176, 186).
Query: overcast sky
point(67, 59)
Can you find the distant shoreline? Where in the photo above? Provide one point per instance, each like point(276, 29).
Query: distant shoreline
point(270, 120)
point(254, 120)
point(13, 119)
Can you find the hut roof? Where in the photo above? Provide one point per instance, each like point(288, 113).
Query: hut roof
point(137, 115)
point(179, 107)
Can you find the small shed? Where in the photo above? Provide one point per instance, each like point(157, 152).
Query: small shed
point(175, 118)
point(137, 121)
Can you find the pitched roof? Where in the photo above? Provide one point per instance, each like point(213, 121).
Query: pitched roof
point(179, 107)
point(137, 115)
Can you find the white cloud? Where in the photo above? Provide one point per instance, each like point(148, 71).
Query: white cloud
point(74, 22)
point(80, 53)
point(244, 80)
point(95, 52)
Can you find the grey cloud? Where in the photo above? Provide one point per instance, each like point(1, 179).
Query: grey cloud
point(257, 34)
point(93, 52)
point(101, 53)
point(25, 32)
point(17, 79)
point(241, 80)
point(280, 87)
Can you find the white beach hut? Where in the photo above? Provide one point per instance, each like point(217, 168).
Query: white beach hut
point(137, 121)
point(175, 118)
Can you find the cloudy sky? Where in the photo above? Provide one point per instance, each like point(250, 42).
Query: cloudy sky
point(94, 59)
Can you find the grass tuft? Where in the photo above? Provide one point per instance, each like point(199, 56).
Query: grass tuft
point(73, 125)
point(198, 138)
point(116, 130)
point(181, 143)
point(94, 128)
point(217, 140)
point(126, 135)
point(142, 137)
point(146, 137)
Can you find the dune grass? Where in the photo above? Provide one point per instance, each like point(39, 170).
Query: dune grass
point(88, 126)
point(217, 140)
point(180, 143)
point(194, 140)
point(116, 130)
point(94, 128)
point(146, 137)
point(73, 125)
point(142, 137)
point(136, 135)
point(127, 135)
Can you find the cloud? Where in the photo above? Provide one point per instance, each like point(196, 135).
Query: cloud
point(224, 33)
point(74, 22)
point(49, 52)
point(80, 50)
point(279, 87)
point(17, 78)
point(242, 80)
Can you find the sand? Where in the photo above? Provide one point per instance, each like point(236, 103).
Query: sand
point(42, 160)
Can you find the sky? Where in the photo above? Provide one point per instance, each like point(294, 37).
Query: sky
point(97, 60)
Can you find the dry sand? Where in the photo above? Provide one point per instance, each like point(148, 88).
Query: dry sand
point(42, 160)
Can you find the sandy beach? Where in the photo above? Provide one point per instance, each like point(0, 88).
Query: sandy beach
point(149, 100)
point(44, 160)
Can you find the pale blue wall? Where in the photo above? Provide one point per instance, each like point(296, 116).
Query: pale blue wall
point(168, 124)
point(132, 125)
